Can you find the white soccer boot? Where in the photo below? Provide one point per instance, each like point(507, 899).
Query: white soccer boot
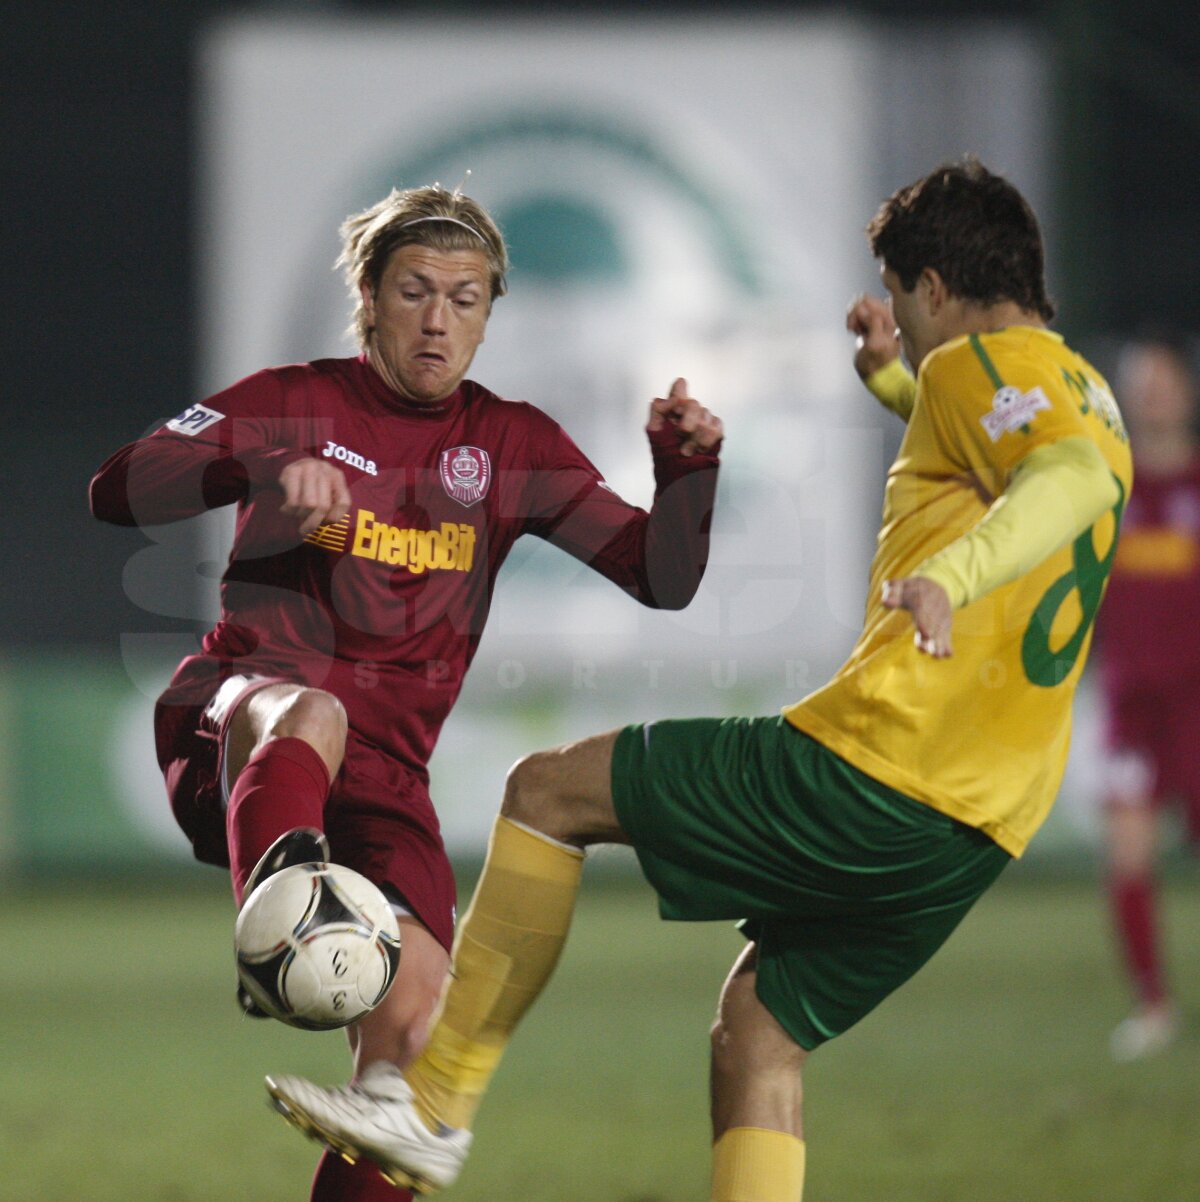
point(375, 1119)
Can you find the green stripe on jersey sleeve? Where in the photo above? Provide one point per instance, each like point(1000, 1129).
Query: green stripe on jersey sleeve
point(985, 359)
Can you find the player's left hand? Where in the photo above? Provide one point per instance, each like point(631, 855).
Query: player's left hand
point(698, 429)
point(931, 612)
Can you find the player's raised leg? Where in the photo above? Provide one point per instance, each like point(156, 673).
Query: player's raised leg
point(556, 803)
point(758, 1148)
point(283, 745)
point(415, 1125)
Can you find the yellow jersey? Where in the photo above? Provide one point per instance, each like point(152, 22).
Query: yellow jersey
point(983, 735)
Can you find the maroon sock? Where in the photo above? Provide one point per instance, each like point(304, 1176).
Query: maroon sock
point(283, 785)
point(337, 1181)
point(1134, 914)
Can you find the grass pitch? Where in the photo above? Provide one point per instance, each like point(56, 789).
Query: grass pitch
point(128, 1074)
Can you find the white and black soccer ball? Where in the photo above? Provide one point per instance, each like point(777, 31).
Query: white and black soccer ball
point(317, 946)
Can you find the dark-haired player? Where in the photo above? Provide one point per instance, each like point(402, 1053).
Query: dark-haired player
point(1151, 686)
point(376, 499)
point(852, 833)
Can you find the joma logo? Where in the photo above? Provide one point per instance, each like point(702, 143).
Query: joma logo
point(334, 450)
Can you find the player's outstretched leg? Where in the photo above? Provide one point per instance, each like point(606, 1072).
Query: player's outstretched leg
point(415, 1124)
point(556, 803)
point(758, 1139)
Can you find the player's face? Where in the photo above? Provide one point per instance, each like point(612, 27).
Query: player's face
point(1155, 390)
point(913, 319)
point(427, 319)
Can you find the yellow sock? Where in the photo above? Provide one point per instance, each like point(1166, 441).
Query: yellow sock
point(754, 1164)
point(505, 951)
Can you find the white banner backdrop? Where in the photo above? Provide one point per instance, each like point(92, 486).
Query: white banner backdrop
point(682, 197)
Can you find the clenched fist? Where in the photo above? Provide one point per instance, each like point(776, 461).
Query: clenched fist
point(698, 429)
point(315, 492)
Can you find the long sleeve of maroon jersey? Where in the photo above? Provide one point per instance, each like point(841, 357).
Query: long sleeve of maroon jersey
point(657, 557)
point(211, 455)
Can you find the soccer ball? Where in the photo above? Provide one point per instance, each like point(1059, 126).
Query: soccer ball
point(317, 946)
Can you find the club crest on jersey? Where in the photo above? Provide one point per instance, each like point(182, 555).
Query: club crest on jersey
point(1012, 409)
point(466, 474)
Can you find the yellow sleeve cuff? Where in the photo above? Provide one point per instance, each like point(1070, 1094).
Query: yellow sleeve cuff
point(894, 387)
point(1055, 493)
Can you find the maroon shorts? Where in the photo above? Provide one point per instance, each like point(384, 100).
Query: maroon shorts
point(1153, 738)
point(378, 817)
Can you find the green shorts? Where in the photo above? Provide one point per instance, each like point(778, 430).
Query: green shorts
point(846, 886)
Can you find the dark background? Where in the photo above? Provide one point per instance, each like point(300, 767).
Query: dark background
point(99, 235)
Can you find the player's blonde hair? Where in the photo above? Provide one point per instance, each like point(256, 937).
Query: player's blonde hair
point(431, 216)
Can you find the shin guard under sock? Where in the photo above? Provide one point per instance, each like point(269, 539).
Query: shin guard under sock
point(283, 785)
point(505, 952)
point(754, 1164)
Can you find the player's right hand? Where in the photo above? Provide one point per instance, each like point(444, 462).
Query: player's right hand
point(315, 492)
point(870, 319)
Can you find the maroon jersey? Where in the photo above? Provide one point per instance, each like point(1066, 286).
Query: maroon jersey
point(385, 609)
point(1148, 631)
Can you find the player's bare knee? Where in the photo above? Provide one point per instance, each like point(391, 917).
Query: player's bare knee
point(534, 795)
point(528, 790)
point(565, 793)
point(315, 716)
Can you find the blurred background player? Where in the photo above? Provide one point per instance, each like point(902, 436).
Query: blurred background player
point(1148, 652)
point(377, 498)
point(853, 832)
